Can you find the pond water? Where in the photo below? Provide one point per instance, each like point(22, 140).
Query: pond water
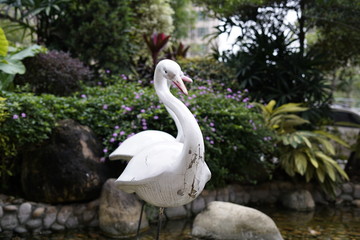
point(326, 223)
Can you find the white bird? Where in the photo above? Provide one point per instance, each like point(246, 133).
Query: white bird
point(169, 173)
point(141, 140)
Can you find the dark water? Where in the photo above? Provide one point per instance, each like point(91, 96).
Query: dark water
point(326, 223)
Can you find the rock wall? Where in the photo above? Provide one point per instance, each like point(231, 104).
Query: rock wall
point(21, 216)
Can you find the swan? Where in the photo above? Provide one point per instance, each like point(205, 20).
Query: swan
point(169, 173)
point(141, 140)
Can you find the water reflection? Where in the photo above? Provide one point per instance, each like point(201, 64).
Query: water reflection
point(326, 223)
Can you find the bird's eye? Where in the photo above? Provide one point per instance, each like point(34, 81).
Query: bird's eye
point(165, 71)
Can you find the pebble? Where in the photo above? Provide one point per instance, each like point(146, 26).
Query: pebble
point(34, 223)
point(11, 208)
point(57, 227)
point(24, 212)
point(72, 222)
point(20, 229)
point(9, 222)
point(38, 212)
point(50, 217)
point(64, 214)
point(88, 215)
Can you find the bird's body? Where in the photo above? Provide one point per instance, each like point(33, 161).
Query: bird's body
point(172, 172)
point(135, 144)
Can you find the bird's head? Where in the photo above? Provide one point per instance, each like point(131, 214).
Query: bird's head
point(171, 71)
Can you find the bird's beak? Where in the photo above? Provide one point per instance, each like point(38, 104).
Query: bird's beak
point(179, 82)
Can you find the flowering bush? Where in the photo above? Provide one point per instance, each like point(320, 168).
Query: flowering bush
point(236, 140)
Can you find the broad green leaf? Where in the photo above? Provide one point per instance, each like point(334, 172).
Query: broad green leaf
point(330, 170)
point(4, 44)
point(306, 141)
point(270, 106)
point(320, 174)
point(27, 52)
point(333, 137)
point(289, 107)
point(323, 156)
point(328, 147)
point(312, 159)
point(12, 66)
point(300, 162)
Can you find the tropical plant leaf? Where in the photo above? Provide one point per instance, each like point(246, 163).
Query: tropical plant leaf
point(300, 162)
point(333, 137)
point(4, 44)
point(320, 174)
point(311, 157)
point(270, 106)
point(289, 107)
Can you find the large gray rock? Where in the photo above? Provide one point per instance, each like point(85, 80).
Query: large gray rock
point(222, 220)
point(119, 211)
point(66, 168)
point(300, 200)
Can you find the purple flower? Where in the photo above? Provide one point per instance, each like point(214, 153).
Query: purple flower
point(23, 115)
point(115, 134)
point(211, 142)
point(15, 116)
point(102, 159)
point(107, 71)
point(83, 95)
point(122, 133)
point(212, 124)
point(245, 99)
point(112, 140)
point(229, 90)
point(117, 127)
point(105, 106)
point(156, 117)
point(105, 150)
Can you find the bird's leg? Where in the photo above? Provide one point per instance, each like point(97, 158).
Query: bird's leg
point(161, 213)
point(139, 225)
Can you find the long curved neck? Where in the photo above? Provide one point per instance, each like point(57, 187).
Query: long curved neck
point(193, 139)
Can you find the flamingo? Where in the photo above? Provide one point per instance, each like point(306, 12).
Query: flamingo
point(143, 139)
point(169, 173)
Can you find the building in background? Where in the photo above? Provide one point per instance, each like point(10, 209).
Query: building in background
point(200, 39)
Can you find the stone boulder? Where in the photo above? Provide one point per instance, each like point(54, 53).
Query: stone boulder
point(299, 200)
point(119, 211)
point(223, 220)
point(66, 168)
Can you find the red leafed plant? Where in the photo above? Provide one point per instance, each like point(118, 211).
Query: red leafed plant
point(176, 52)
point(156, 43)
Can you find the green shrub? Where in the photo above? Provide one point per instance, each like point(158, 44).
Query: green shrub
point(304, 152)
point(236, 139)
point(208, 68)
point(54, 72)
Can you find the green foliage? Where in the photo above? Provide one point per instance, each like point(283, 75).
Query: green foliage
point(4, 44)
point(98, 32)
point(184, 17)
point(209, 69)
point(54, 72)
point(269, 67)
point(11, 64)
point(236, 139)
point(304, 152)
